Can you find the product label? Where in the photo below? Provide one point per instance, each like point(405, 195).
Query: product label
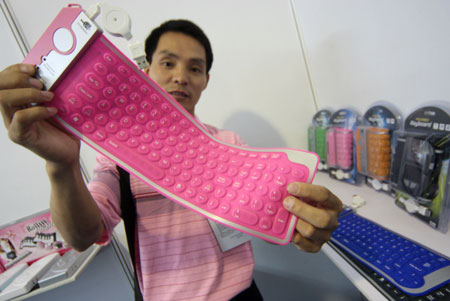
point(428, 120)
point(322, 118)
point(380, 117)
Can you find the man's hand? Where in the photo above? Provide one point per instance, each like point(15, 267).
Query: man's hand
point(317, 210)
point(27, 120)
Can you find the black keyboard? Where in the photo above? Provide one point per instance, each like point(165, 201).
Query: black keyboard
point(400, 268)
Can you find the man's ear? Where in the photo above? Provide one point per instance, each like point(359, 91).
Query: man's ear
point(147, 70)
point(207, 81)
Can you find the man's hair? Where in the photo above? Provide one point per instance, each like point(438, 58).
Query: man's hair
point(182, 26)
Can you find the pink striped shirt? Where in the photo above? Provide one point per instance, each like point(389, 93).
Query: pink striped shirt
point(178, 257)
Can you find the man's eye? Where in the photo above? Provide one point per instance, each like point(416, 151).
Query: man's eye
point(196, 70)
point(167, 64)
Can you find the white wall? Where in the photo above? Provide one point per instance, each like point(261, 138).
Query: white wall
point(364, 51)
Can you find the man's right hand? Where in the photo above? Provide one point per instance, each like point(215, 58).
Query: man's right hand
point(27, 120)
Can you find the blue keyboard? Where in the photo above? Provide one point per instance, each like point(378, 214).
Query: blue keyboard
point(408, 266)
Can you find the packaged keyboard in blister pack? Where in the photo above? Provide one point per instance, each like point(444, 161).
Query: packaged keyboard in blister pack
point(420, 166)
point(317, 133)
point(341, 146)
point(105, 99)
point(373, 145)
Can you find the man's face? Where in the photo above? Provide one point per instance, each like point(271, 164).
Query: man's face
point(179, 67)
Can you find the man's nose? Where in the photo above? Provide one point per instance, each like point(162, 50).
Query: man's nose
point(180, 75)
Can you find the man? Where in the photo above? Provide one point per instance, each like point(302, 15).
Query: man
point(177, 256)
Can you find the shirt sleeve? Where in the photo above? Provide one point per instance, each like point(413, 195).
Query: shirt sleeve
point(225, 135)
point(230, 137)
point(105, 189)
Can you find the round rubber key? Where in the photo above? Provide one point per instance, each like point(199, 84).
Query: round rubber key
point(76, 119)
point(99, 135)
point(73, 101)
point(174, 170)
point(112, 79)
point(180, 187)
point(89, 126)
point(201, 198)
point(100, 69)
point(275, 195)
point(262, 190)
point(224, 207)
point(213, 204)
point(123, 71)
point(301, 173)
point(168, 181)
point(109, 58)
point(265, 223)
point(93, 81)
point(88, 111)
point(270, 209)
point(256, 204)
point(190, 193)
point(134, 80)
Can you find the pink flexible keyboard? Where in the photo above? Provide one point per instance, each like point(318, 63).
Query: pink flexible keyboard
point(106, 101)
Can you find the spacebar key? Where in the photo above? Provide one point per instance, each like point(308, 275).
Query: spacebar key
point(153, 172)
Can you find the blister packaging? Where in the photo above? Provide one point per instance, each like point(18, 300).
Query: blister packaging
point(420, 166)
point(317, 137)
point(341, 146)
point(373, 145)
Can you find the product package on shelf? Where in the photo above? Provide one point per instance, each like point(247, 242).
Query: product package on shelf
point(317, 141)
point(28, 239)
point(373, 145)
point(341, 146)
point(420, 166)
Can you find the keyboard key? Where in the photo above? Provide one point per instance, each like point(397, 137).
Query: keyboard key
point(280, 221)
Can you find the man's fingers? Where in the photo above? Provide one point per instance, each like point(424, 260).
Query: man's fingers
point(317, 217)
point(19, 76)
point(306, 244)
point(310, 232)
point(24, 97)
point(24, 119)
point(316, 193)
point(14, 100)
point(28, 69)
